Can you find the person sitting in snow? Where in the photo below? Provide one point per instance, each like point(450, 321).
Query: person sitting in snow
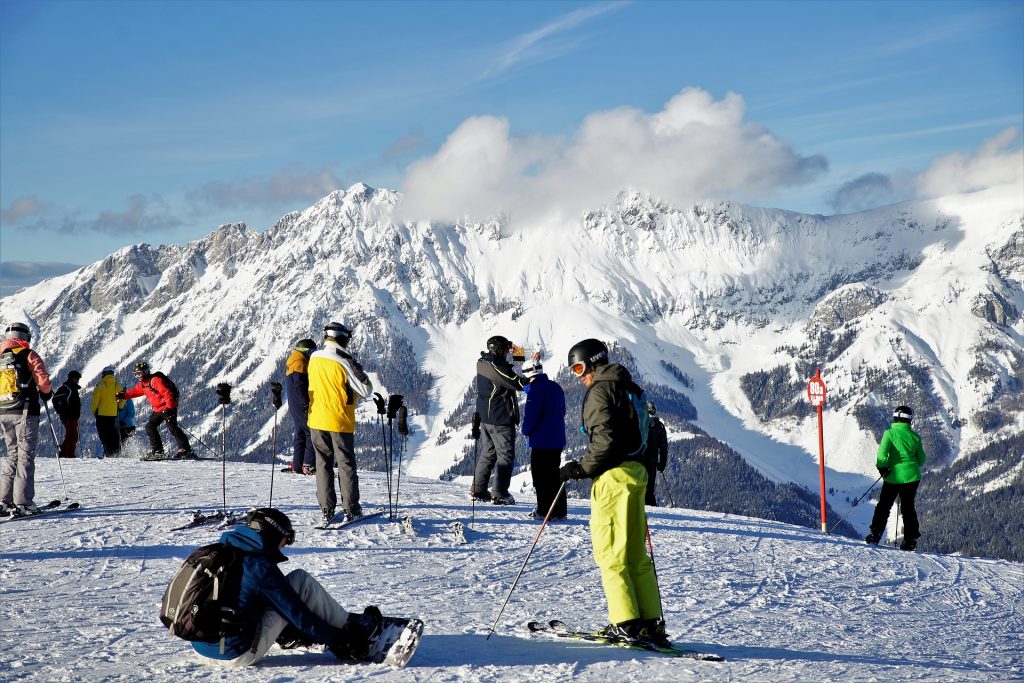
point(288, 610)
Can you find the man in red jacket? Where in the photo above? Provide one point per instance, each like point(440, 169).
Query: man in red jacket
point(164, 400)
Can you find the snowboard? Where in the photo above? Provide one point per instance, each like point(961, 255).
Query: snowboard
point(396, 643)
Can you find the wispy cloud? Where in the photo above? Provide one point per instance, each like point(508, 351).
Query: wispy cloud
point(22, 208)
point(550, 40)
point(17, 274)
point(1014, 119)
point(694, 147)
point(143, 214)
point(283, 187)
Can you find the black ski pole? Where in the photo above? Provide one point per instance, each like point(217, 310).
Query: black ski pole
point(381, 411)
point(475, 433)
point(60, 468)
point(202, 443)
point(854, 505)
point(394, 402)
point(527, 559)
point(665, 488)
point(224, 398)
point(275, 400)
point(403, 431)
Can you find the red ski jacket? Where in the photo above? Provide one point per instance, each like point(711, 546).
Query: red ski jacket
point(154, 389)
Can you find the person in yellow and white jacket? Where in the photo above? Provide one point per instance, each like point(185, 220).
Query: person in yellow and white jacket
point(336, 383)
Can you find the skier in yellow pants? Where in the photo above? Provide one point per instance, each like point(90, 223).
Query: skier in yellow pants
point(618, 519)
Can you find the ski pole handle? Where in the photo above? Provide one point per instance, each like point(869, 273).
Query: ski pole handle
point(403, 421)
point(275, 390)
point(475, 433)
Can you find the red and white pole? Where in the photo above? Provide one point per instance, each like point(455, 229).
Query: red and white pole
point(816, 395)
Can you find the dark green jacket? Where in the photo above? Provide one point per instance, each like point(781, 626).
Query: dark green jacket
point(609, 420)
point(901, 451)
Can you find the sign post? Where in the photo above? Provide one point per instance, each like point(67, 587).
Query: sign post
point(816, 395)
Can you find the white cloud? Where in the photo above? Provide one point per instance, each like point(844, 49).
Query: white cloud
point(695, 147)
point(999, 161)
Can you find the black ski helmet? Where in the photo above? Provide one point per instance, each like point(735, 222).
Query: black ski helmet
point(903, 414)
point(339, 332)
point(498, 346)
point(589, 352)
point(306, 346)
point(142, 369)
point(272, 524)
point(652, 409)
point(19, 331)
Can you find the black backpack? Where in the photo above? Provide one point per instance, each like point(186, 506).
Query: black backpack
point(201, 602)
point(171, 386)
point(15, 379)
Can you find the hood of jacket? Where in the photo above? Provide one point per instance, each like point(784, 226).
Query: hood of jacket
point(297, 362)
point(249, 540)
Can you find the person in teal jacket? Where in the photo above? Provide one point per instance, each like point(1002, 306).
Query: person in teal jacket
point(899, 460)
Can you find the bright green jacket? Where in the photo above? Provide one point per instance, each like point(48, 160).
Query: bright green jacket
point(900, 451)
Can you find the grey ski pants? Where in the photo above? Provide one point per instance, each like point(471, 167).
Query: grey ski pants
point(21, 435)
point(499, 454)
point(334, 447)
point(315, 597)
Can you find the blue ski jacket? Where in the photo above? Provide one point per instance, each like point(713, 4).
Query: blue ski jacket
point(264, 587)
point(544, 414)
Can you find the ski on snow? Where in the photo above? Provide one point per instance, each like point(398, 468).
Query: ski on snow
point(558, 629)
point(200, 518)
point(350, 521)
point(51, 508)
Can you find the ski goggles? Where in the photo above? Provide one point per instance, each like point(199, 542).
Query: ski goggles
point(578, 369)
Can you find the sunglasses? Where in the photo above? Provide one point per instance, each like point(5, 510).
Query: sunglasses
point(578, 369)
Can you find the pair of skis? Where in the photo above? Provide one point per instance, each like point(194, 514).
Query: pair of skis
point(559, 629)
point(349, 521)
point(200, 518)
point(51, 508)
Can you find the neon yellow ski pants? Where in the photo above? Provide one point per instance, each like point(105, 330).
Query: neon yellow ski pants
point(618, 532)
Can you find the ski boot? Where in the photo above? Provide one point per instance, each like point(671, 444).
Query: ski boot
point(503, 500)
point(309, 471)
point(873, 538)
point(153, 455)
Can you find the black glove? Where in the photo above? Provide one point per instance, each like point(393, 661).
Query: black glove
point(45, 395)
point(571, 470)
point(119, 396)
point(884, 471)
point(661, 468)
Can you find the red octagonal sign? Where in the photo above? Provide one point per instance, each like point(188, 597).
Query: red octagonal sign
point(816, 390)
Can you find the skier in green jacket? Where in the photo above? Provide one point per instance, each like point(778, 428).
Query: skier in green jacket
point(899, 461)
point(618, 520)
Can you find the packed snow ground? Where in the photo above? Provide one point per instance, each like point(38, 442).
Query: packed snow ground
point(79, 593)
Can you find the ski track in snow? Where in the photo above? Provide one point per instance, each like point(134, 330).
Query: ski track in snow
point(80, 591)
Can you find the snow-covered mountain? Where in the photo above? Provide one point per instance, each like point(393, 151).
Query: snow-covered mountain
point(731, 306)
point(81, 591)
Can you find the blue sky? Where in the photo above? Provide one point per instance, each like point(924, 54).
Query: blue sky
point(124, 122)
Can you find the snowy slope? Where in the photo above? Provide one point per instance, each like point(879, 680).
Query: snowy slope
point(80, 594)
point(918, 302)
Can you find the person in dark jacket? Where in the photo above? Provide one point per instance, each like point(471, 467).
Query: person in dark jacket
point(618, 519)
point(899, 460)
point(165, 409)
point(498, 406)
point(68, 405)
point(296, 381)
point(283, 609)
point(24, 383)
point(656, 455)
point(544, 429)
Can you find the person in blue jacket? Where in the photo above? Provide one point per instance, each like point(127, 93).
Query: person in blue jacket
point(296, 380)
point(544, 429)
point(288, 610)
